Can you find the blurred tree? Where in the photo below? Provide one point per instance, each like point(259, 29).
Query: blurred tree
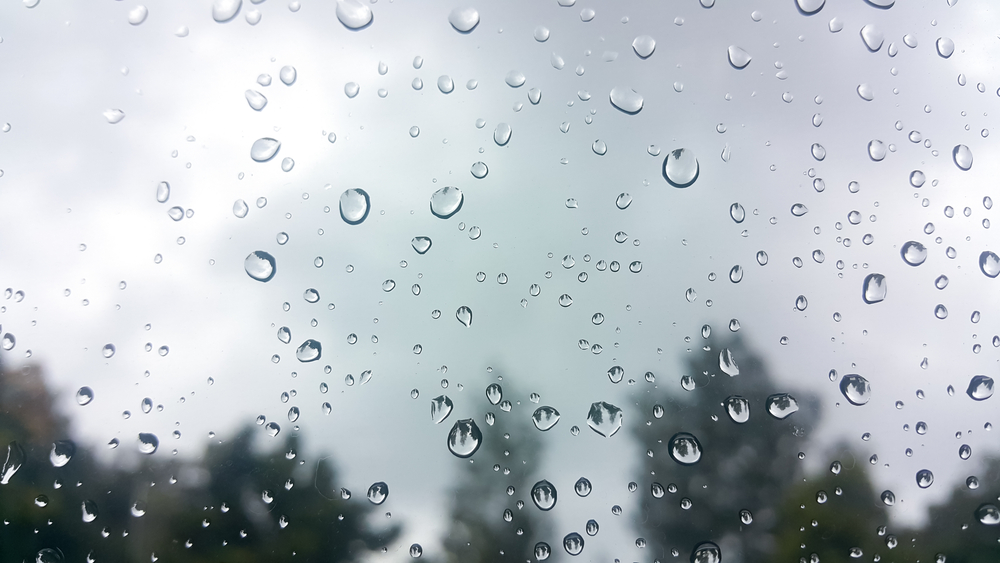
point(954, 529)
point(745, 466)
point(481, 529)
point(826, 516)
point(237, 504)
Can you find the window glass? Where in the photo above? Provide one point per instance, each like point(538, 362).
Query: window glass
point(352, 280)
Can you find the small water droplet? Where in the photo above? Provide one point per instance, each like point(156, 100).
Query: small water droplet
point(114, 115)
point(225, 10)
point(738, 58)
point(353, 14)
point(544, 418)
point(264, 149)
point(354, 206)
point(781, 405)
point(464, 315)
point(856, 389)
point(604, 418)
point(680, 168)
point(874, 289)
point(464, 20)
point(980, 388)
point(260, 266)
point(309, 351)
point(148, 443)
point(446, 202)
point(464, 438)
point(573, 543)
point(872, 37)
point(945, 47)
point(445, 84)
point(626, 99)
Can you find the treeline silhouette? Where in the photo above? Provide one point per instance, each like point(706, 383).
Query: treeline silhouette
point(747, 493)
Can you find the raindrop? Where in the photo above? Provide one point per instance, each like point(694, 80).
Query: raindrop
point(13, 462)
point(464, 438)
point(309, 351)
point(446, 202)
point(272, 429)
point(137, 15)
point(865, 91)
point(114, 115)
point(502, 134)
point(545, 418)
point(264, 149)
point(989, 263)
point(872, 37)
point(256, 100)
point(441, 407)
point(988, 514)
point(925, 478)
point(680, 168)
point(945, 47)
point(541, 34)
point(708, 552)
point(604, 418)
point(514, 79)
point(888, 498)
point(876, 150)
point(582, 487)
point(464, 315)
point(980, 388)
point(148, 443)
point(544, 495)
point(421, 244)
point(874, 288)
point(225, 10)
point(599, 147)
point(61, 453)
point(84, 396)
point(799, 210)
point(162, 192)
point(240, 209)
point(287, 74)
point(738, 57)
point(736, 274)
point(354, 206)
point(353, 14)
point(801, 303)
point(464, 20)
point(90, 511)
point(542, 551)
point(626, 99)
point(573, 543)
point(781, 405)
point(285, 334)
point(445, 84)
point(962, 156)
point(260, 266)
point(684, 448)
point(378, 492)
point(644, 46)
point(738, 409)
point(737, 212)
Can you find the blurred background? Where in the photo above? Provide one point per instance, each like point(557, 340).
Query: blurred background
point(376, 281)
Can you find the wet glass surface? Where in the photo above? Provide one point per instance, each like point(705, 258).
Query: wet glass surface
point(523, 281)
